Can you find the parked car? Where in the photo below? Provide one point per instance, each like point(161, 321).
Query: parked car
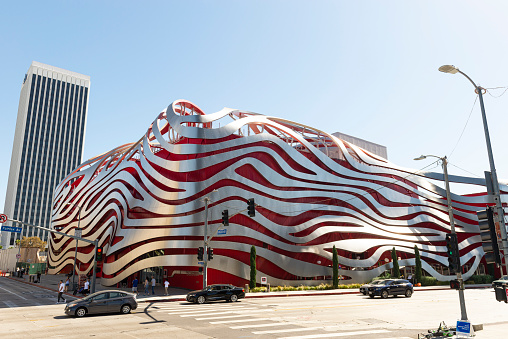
point(364, 289)
point(216, 292)
point(391, 287)
point(500, 282)
point(102, 302)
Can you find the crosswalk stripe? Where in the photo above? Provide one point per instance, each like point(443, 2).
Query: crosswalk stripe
point(262, 325)
point(238, 321)
point(207, 310)
point(229, 316)
point(244, 310)
point(330, 335)
point(214, 313)
point(297, 329)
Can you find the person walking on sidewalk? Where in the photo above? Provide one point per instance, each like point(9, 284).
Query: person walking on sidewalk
point(67, 282)
point(146, 286)
point(153, 285)
point(135, 286)
point(61, 289)
point(86, 288)
point(166, 285)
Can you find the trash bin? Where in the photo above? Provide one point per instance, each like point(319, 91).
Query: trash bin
point(501, 293)
point(246, 288)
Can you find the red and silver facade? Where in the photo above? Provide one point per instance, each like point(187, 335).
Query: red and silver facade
point(144, 202)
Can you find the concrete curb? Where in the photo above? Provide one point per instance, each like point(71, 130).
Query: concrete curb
point(258, 295)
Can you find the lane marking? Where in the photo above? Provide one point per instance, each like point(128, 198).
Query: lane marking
point(238, 321)
point(289, 330)
point(176, 311)
point(13, 293)
point(262, 325)
point(229, 316)
point(330, 335)
point(193, 315)
point(10, 304)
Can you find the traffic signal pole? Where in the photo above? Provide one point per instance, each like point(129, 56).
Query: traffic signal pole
point(205, 245)
point(452, 231)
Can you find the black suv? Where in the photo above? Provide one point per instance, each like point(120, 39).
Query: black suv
point(391, 287)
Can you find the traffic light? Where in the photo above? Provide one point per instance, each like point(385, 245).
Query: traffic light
point(98, 254)
point(210, 253)
point(488, 234)
point(251, 208)
point(201, 251)
point(452, 250)
point(455, 284)
point(225, 218)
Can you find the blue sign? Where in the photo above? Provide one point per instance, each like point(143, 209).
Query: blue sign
point(463, 327)
point(11, 229)
point(222, 232)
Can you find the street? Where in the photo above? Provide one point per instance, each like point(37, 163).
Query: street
point(28, 310)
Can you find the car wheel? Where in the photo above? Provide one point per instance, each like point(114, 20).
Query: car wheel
point(371, 296)
point(201, 299)
point(233, 298)
point(80, 312)
point(126, 309)
point(408, 293)
point(384, 294)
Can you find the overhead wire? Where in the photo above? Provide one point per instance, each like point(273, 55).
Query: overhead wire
point(464, 129)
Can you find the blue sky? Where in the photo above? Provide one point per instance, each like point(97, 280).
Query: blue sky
point(364, 68)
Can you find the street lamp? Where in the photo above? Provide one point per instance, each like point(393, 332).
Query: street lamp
point(444, 161)
point(497, 196)
point(77, 233)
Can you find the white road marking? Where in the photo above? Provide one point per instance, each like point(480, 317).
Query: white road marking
point(201, 311)
point(229, 316)
point(296, 329)
point(238, 321)
point(213, 313)
point(13, 293)
point(262, 325)
point(330, 335)
point(10, 304)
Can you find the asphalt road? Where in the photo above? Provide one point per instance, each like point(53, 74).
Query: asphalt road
point(28, 311)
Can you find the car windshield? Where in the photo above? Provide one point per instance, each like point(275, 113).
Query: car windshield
point(377, 282)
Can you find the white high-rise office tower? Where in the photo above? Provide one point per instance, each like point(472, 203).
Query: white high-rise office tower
point(48, 144)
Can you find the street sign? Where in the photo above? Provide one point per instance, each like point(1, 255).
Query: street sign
point(77, 233)
point(463, 328)
point(202, 263)
point(18, 256)
point(11, 229)
point(222, 231)
point(3, 218)
point(264, 280)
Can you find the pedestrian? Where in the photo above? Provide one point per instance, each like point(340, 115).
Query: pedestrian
point(39, 277)
point(67, 282)
point(135, 286)
point(153, 285)
point(166, 285)
point(146, 286)
point(86, 288)
point(18, 272)
point(61, 290)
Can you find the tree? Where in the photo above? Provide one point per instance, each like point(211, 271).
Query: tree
point(33, 242)
point(252, 283)
point(335, 268)
point(396, 271)
point(418, 266)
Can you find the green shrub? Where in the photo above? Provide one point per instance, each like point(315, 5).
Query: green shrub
point(480, 279)
point(429, 281)
point(303, 288)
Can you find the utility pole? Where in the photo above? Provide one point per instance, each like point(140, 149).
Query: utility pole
point(444, 161)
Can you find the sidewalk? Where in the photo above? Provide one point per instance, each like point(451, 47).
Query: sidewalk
point(50, 282)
